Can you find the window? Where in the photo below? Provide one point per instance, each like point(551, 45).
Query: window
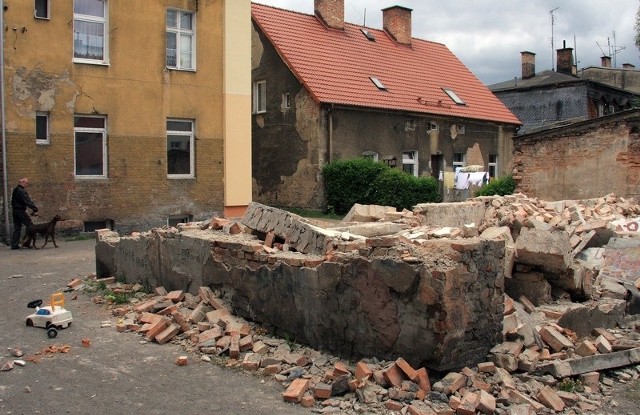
point(454, 97)
point(432, 126)
point(90, 147)
point(41, 9)
point(42, 128)
point(493, 165)
point(410, 162)
point(181, 40)
point(180, 149)
point(458, 160)
point(259, 97)
point(370, 155)
point(94, 225)
point(89, 31)
point(175, 220)
point(286, 100)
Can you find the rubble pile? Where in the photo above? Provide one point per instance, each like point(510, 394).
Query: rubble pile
point(552, 287)
point(523, 375)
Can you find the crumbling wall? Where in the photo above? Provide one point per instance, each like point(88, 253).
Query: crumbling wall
point(439, 304)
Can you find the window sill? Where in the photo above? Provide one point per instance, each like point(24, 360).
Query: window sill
point(180, 69)
point(90, 62)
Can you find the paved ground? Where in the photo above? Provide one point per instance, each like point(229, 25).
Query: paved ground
point(115, 374)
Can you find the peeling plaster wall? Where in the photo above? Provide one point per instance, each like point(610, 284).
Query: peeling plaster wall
point(136, 94)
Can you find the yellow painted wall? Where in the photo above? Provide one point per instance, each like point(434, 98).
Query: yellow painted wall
point(137, 93)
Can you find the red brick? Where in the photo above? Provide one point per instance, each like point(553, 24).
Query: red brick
point(407, 369)
point(168, 310)
point(214, 333)
point(145, 306)
point(168, 333)
point(251, 361)
point(486, 403)
point(423, 380)
point(340, 369)
point(296, 390)
point(322, 391)
point(246, 343)
point(550, 399)
point(307, 401)
point(394, 375)
point(234, 346)
point(392, 405)
point(156, 329)
point(181, 321)
point(272, 369)
point(175, 296)
point(468, 404)
point(363, 371)
point(149, 318)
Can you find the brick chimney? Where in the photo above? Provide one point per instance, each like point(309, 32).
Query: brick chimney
point(565, 60)
point(330, 12)
point(528, 64)
point(396, 21)
point(605, 61)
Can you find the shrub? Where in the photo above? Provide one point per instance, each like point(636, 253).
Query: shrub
point(500, 186)
point(347, 182)
point(367, 182)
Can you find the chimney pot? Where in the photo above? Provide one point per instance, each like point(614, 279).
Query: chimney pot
point(606, 61)
point(628, 66)
point(528, 64)
point(396, 21)
point(330, 12)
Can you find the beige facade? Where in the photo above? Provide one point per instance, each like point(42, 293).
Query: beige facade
point(146, 104)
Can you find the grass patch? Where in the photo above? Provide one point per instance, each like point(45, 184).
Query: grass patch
point(569, 385)
point(314, 214)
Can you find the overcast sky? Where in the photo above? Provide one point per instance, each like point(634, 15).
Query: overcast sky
point(488, 35)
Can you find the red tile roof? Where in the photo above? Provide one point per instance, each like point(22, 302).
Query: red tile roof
point(336, 65)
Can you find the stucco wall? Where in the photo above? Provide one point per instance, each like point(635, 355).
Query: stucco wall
point(137, 93)
point(587, 160)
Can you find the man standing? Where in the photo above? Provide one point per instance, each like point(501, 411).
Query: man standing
point(20, 201)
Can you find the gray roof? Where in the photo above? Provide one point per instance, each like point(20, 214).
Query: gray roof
point(542, 79)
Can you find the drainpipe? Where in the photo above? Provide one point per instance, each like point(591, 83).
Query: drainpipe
point(5, 179)
point(330, 112)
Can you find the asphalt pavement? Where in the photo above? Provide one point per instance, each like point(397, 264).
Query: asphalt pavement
point(116, 373)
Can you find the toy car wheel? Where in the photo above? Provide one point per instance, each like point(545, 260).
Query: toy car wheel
point(52, 332)
point(29, 322)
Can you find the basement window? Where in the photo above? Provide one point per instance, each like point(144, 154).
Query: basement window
point(94, 225)
point(370, 155)
point(175, 220)
point(454, 97)
point(368, 35)
point(377, 83)
point(41, 10)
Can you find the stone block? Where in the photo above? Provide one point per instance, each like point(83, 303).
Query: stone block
point(550, 251)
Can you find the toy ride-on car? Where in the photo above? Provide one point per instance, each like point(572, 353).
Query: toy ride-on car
point(52, 317)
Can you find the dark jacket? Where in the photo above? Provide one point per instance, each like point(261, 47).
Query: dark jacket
point(20, 200)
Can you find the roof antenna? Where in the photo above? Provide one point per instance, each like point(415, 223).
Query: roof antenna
point(553, 21)
point(364, 23)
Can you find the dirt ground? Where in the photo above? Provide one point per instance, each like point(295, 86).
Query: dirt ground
point(117, 373)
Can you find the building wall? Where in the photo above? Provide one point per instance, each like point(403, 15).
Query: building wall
point(290, 146)
point(587, 160)
point(137, 93)
point(538, 108)
point(627, 79)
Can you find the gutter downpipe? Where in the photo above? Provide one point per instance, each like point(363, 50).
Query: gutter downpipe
point(5, 179)
point(330, 132)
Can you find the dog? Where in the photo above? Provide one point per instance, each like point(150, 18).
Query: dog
point(47, 229)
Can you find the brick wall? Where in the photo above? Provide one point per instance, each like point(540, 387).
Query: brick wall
point(586, 160)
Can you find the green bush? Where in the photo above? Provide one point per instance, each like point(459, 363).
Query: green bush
point(396, 188)
point(366, 182)
point(347, 182)
point(500, 186)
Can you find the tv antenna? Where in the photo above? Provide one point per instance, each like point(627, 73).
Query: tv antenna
point(612, 50)
point(553, 22)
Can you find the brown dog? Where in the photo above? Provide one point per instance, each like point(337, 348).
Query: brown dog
point(47, 229)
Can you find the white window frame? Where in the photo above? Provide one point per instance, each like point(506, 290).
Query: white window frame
point(454, 97)
point(260, 97)
point(459, 163)
point(370, 155)
point(493, 165)
point(47, 6)
point(191, 136)
point(286, 100)
point(104, 21)
point(39, 116)
point(103, 132)
point(184, 37)
point(410, 158)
